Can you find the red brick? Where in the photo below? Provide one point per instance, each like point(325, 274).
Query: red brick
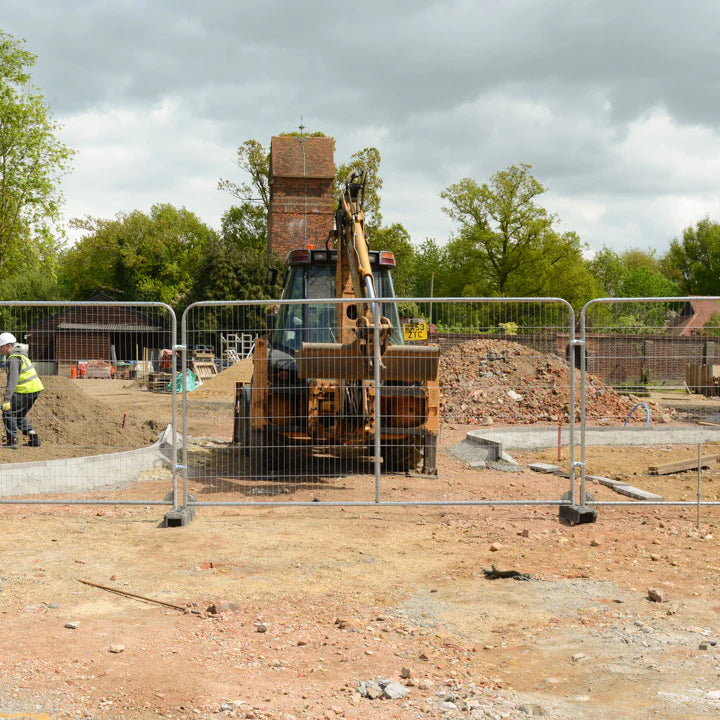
point(301, 201)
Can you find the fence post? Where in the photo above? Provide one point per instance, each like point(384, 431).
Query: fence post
point(182, 512)
point(699, 481)
point(377, 364)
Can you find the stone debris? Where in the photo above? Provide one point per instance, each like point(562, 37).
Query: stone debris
point(458, 701)
point(382, 688)
point(657, 595)
point(116, 649)
point(497, 381)
point(73, 625)
point(532, 709)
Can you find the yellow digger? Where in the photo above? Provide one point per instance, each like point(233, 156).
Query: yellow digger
point(315, 373)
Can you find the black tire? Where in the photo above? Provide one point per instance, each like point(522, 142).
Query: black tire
point(242, 434)
point(260, 453)
point(402, 457)
point(270, 458)
point(429, 465)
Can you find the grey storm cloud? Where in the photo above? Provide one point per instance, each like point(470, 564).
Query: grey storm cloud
point(444, 89)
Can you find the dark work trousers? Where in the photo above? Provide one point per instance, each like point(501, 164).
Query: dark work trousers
point(15, 419)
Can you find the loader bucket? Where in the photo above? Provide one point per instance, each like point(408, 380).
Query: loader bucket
point(408, 363)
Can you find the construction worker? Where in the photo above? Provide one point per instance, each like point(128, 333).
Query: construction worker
point(23, 387)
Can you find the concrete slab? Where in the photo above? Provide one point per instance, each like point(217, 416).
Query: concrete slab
point(531, 438)
point(626, 489)
point(544, 467)
point(606, 481)
point(637, 493)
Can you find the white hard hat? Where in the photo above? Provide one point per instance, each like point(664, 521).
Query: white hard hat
point(6, 338)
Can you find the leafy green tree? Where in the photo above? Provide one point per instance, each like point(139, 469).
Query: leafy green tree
point(397, 239)
point(428, 269)
point(35, 283)
point(32, 161)
point(138, 256)
point(695, 259)
point(507, 244)
point(632, 273)
point(234, 266)
point(254, 160)
point(367, 159)
point(608, 268)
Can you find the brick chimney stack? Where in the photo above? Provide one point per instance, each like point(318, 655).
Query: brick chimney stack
point(302, 211)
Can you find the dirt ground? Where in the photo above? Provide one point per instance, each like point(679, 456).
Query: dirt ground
point(284, 612)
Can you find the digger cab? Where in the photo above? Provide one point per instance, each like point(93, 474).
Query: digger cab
point(311, 276)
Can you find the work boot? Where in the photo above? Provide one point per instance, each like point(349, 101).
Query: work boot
point(33, 440)
point(14, 444)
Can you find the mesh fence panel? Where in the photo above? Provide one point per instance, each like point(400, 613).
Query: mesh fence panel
point(662, 358)
point(669, 347)
point(317, 411)
point(87, 447)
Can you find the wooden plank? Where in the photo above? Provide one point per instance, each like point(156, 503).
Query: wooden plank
point(680, 465)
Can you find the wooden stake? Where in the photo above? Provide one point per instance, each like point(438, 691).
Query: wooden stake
point(133, 595)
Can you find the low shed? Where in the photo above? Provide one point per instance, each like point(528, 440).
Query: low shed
point(86, 333)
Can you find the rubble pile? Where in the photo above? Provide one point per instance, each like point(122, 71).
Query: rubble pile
point(496, 381)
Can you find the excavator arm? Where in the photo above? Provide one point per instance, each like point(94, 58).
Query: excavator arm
point(353, 356)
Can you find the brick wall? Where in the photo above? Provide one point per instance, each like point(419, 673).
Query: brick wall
point(301, 201)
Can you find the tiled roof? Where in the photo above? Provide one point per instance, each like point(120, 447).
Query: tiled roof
point(694, 316)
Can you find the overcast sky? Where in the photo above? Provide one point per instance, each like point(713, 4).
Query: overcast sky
point(616, 105)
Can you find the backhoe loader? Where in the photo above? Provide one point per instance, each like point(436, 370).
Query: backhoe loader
point(314, 385)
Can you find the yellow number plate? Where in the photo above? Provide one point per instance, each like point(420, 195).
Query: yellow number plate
point(415, 331)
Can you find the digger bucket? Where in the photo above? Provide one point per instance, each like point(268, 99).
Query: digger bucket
point(408, 363)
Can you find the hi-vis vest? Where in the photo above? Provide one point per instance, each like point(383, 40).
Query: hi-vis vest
point(28, 382)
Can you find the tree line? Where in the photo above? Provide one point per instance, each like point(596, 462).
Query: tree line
point(505, 243)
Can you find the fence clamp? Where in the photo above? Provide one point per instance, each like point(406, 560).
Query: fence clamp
point(578, 464)
point(179, 348)
point(179, 467)
point(577, 342)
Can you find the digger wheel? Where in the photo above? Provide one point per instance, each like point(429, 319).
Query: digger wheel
point(260, 454)
point(270, 458)
point(401, 457)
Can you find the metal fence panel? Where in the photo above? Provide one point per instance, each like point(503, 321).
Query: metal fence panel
point(316, 412)
point(662, 357)
point(92, 449)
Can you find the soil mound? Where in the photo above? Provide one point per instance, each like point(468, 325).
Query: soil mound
point(64, 415)
point(497, 381)
point(222, 385)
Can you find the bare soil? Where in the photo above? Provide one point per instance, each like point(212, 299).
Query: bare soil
point(282, 612)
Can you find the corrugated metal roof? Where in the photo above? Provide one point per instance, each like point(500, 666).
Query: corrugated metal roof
point(124, 327)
